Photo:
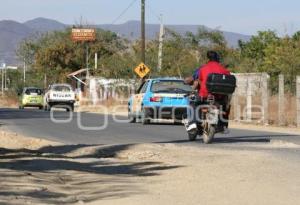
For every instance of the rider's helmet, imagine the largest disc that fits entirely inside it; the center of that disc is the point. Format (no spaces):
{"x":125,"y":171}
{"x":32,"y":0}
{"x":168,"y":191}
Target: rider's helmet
{"x":213,"y":56}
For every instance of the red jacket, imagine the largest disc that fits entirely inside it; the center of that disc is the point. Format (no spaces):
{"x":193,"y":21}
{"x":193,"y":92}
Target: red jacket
{"x":210,"y":67}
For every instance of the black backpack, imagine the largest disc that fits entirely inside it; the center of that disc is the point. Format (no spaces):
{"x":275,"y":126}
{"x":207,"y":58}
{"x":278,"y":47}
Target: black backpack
{"x":221,"y":84}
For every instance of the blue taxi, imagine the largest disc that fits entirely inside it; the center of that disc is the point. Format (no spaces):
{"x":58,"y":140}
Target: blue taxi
{"x":160,"y":98}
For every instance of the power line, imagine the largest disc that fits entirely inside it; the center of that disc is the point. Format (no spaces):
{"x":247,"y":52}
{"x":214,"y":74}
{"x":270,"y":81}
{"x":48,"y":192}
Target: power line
{"x":124,"y":11}
{"x":154,"y":13}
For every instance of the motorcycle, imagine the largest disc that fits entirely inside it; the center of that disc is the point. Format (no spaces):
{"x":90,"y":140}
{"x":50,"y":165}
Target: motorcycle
{"x":210,"y":113}
{"x":209,"y":119}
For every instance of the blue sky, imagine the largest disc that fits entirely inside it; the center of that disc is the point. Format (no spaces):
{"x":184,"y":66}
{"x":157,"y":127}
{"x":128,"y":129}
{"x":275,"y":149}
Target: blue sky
{"x":231,"y":15}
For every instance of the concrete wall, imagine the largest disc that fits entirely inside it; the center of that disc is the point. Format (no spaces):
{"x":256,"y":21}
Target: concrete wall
{"x":250,"y":85}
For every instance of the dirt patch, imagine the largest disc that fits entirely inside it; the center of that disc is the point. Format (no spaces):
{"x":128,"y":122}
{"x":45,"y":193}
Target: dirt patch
{"x":283,"y":144}
{"x":12,"y":140}
{"x":216,"y":176}
{"x":41,"y":172}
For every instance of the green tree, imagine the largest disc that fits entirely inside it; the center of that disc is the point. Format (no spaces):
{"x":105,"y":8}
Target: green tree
{"x":55,"y":54}
{"x":178,"y":58}
{"x":283,"y":58}
{"x":252,"y":53}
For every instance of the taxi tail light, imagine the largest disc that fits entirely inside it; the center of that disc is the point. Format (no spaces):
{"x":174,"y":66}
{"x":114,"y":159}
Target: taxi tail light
{"x":155,"y":99}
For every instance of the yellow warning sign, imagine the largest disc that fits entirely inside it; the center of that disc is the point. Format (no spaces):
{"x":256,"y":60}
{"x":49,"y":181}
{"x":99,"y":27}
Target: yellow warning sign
{"x":142,"y":70}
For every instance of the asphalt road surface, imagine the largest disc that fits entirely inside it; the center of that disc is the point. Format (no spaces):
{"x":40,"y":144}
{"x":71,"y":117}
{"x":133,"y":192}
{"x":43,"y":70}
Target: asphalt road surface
{"x":88,"y":128}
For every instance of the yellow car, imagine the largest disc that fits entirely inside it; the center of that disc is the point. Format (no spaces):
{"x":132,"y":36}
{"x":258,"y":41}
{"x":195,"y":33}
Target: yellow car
{"x":31,"y":97}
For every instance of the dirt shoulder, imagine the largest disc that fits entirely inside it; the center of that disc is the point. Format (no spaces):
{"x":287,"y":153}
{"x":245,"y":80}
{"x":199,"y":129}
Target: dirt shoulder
{"x":36,"y":171}
{"x":12,"y":140}
{"x":269,"y":128}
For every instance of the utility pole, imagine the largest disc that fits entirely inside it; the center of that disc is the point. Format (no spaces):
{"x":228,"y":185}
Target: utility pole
{"x":161,"y":39}
{"x":87,"y":61}
{"x":45,"y":80}
{"x":96,"y":61}
{"x":2,"y":80}
{"x":5,"y":78}
{"x":143,"y":33}
{"x":298,"y":100}
{"x":24,"y":74}
{"x":281,"y":100}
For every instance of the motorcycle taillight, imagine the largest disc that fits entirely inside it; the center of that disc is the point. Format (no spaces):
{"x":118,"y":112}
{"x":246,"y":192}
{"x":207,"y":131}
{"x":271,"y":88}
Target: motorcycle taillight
{"x":204,"y":110}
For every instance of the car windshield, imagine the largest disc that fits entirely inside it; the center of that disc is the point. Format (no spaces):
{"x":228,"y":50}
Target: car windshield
{"x":33,"y":91}
{"x":61,"y":88}
{"x":170,"y":86}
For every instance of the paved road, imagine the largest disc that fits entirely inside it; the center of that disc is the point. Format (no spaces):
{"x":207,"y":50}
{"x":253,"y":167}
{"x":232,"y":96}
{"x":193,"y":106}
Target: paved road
{"x":37,"y":123}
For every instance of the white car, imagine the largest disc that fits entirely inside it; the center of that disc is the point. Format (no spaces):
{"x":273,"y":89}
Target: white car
{"x":59,"y":95}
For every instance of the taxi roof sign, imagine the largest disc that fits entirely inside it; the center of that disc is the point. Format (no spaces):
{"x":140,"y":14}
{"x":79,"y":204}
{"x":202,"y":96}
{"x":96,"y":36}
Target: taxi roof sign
{"x":142,"y":70}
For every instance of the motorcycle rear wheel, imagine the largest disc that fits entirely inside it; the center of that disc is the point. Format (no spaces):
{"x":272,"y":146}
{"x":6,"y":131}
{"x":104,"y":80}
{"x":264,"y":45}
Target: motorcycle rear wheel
{"x":208,"y":135}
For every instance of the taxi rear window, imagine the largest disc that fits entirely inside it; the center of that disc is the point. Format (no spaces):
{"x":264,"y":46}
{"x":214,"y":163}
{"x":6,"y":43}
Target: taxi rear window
{"x":170,"y":86}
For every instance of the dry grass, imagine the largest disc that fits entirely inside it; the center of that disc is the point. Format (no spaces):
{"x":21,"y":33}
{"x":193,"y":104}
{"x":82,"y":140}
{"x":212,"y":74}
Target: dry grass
{"x":290,"y":114}
{"x":8,"y":100}
{"x":110,"y":106}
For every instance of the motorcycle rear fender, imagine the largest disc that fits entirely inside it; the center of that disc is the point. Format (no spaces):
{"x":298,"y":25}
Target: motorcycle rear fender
{"x":213,"y":116}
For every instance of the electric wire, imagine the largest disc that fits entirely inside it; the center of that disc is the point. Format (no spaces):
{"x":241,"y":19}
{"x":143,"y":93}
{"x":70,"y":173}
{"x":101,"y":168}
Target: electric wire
{"x":124,"y":11}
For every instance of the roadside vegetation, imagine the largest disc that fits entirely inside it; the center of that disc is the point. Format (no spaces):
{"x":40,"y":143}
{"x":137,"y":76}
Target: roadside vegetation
{"x":53,"y":55}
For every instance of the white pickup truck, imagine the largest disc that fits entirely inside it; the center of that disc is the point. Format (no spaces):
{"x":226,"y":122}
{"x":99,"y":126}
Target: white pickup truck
{"x":59,"y":95}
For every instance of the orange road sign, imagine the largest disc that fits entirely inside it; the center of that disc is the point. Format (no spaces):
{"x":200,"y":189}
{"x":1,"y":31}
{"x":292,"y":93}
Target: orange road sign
{"x":83,"y":34}
{"x":142,"y":70}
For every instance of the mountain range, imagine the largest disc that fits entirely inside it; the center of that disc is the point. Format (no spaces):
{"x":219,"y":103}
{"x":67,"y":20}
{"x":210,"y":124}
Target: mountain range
{"x":12,"y":33}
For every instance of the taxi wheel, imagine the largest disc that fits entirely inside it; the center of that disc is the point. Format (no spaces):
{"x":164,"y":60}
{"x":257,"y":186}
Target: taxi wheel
{"x":145,"y":120}
{"x":132,"y":119}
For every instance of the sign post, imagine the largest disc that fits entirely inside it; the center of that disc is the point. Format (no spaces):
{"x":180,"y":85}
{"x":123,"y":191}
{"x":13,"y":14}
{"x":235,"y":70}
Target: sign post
{"x":2,"y":77}
{"x":84,"y":35}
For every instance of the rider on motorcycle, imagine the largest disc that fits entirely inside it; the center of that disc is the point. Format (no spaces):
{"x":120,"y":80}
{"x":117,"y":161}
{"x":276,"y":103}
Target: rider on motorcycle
{"x":193,"y":80}
{"x":213,"y":66}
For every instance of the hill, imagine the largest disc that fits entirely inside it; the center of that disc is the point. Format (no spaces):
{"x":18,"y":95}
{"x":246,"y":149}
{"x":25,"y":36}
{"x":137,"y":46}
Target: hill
{"x":131,"y":30}
{"x":44,"y":25}
{"x":12,"y":33}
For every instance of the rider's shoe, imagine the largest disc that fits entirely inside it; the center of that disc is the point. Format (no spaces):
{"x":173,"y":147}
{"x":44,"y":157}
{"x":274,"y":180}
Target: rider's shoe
{"x":191,"y":127}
